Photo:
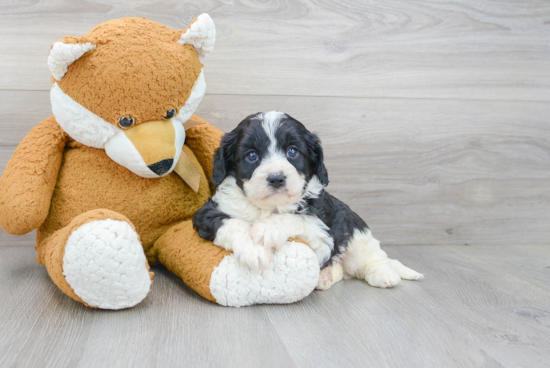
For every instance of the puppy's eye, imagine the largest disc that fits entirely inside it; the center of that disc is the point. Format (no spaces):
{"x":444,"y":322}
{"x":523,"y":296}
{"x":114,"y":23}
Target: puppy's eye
{"x":126,"y":122}
{"x":252,"y":156}
{"x":170,"y":114}
{"x":292,"y":152}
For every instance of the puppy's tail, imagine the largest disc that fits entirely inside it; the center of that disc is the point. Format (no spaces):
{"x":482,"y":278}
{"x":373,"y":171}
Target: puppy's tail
{"x":405,"y":272}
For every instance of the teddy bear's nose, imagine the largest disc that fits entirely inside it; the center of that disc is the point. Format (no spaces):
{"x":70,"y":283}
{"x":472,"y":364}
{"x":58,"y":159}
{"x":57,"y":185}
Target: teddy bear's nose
{"x":161,"y":167}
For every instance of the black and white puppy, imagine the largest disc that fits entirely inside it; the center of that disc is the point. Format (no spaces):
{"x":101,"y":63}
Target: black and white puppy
{"x":270,"y":186}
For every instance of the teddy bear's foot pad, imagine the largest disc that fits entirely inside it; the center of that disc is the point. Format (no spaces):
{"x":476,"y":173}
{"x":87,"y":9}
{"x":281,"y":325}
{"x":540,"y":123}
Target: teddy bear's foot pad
{"x":105,"y":265}
{"x":291,"y":276}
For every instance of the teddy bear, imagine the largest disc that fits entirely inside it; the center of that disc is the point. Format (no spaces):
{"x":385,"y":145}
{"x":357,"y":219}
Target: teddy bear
{"x":112,"y":179}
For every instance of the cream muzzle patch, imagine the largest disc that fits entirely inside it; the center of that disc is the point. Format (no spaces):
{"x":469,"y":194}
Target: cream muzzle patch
{"x":153,"y":158}
{"x":150,"y":150}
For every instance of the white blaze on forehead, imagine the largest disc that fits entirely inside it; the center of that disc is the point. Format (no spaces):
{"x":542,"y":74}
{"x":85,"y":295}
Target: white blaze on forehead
{"x":270,"y":122}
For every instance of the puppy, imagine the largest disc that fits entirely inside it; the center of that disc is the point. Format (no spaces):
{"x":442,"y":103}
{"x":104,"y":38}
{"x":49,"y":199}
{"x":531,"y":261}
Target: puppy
{"x":270,"y":186}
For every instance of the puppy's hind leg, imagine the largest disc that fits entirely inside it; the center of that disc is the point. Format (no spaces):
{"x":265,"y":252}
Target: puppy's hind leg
{"x":365,"y":260}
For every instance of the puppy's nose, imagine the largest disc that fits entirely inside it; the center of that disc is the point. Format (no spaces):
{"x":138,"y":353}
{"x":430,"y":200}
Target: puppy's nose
{"x":276,"y":180}
{"x":161,"y":167}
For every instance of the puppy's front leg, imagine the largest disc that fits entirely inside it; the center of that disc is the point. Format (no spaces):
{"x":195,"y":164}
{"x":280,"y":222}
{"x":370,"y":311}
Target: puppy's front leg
{"x":274,"y":232}
{"x":231,"y":234}
{"x":234,"y":235}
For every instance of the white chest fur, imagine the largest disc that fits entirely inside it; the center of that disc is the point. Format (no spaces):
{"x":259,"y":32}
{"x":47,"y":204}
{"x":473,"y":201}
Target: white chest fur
{"x":273,"y":227}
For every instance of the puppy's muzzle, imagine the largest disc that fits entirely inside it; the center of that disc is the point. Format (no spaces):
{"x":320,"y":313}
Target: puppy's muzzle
{"x":276,"y":181}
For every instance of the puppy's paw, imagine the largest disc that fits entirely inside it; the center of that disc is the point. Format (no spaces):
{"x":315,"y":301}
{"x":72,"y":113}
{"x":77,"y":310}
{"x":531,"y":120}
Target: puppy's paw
{"x":257,"y":232}
{"x":329,"y":276}
{"x":255,"y":257}
{"x":269,"y":234}
{"x":325,"y":279}
{"x":383,"y":277}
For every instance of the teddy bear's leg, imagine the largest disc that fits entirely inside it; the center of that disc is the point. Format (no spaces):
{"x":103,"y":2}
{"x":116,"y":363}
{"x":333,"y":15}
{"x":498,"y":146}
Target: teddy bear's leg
{"x":98,"y":260}
{"x":216,"y":274}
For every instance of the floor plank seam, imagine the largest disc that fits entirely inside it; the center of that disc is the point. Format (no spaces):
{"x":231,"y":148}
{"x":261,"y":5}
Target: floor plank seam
{"x":281,"y":340}
{"x":434,"y":98}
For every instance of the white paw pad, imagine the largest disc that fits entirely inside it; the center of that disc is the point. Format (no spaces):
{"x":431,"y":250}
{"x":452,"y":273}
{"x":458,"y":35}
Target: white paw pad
{"x":105,"y":265}
{"x":291,"y":276}
{"x":383,"y":277}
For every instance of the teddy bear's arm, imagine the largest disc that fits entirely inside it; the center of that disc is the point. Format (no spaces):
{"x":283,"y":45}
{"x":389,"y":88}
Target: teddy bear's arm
{"x":204,"y":139}
{"x":29,"y":179}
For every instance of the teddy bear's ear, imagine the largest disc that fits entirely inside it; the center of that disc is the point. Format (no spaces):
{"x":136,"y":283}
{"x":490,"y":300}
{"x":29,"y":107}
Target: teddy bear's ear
{"x":63,"y":53}
{"x":201,"y":34}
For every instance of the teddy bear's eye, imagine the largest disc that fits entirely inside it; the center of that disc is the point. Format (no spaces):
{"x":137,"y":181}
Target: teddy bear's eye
{"x":126,"y":122}
{"x":170,"y":114}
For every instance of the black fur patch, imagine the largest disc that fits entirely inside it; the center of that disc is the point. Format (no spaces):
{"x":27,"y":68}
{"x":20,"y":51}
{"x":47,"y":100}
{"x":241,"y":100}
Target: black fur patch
{"x":230,"y":157}
{"x":208,"y":220}
{"x":292,"y":133}
{"x":339,"y":218}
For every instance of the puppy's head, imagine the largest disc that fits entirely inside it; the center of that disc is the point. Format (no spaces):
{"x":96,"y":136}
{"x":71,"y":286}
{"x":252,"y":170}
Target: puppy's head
{"x":274,"y":159}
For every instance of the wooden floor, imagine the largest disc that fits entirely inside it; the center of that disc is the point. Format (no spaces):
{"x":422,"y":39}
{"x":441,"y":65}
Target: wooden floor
{"x":434,"y":116}
{"x":478,"y":306}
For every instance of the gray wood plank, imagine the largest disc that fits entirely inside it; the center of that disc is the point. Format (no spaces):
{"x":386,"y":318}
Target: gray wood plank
{"x":19,"y":112}
{"x":8,"y":240}
{"x":467,"y":312}
{"x":418,"y":171}
{"x":529,"y":262}
{"x":173,"y":326}
{"x":462,"y":315}
{"x":467,"y":49}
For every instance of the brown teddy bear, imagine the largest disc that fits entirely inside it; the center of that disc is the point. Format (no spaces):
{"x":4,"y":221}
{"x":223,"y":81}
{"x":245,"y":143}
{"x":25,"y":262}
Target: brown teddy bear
{"x":113,"y":178}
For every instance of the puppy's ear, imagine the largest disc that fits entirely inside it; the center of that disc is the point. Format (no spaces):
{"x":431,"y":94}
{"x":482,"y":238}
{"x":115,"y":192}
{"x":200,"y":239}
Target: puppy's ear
{"x":316,"y":157}
{"x":224,"y":157}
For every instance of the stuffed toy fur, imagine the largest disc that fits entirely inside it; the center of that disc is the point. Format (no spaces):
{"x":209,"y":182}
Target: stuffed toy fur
{"x":113,"y":178}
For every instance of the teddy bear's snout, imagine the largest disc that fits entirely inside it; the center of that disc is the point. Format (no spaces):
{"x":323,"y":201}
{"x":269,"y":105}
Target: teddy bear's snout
{"x":150,"y":149}
{"x":162,"y":167}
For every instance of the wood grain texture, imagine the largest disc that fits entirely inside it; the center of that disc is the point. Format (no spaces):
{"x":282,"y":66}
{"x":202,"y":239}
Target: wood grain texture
{"x":530,"y":264}
{"x":467,"y":312}
{"x":468,"y":49}
{"x":418,"y":171}
{"x":464,"y":314}
{"x":173,"y":327}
